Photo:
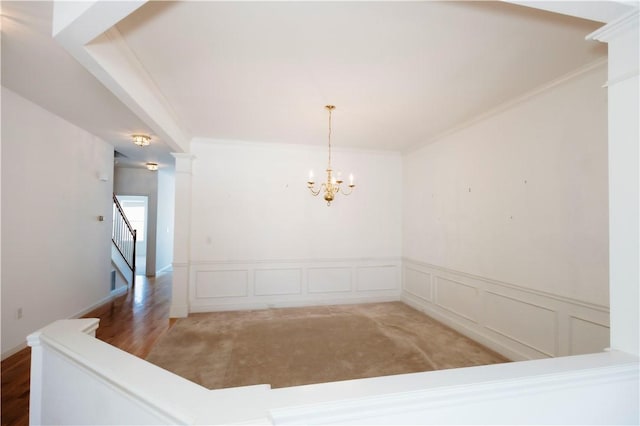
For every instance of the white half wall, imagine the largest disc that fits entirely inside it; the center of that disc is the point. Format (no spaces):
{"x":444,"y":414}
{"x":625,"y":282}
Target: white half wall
{"x":56,"y":255}
{"x":77,"y":379}
{"x":508,"y":218}
{"x":259,"y":238}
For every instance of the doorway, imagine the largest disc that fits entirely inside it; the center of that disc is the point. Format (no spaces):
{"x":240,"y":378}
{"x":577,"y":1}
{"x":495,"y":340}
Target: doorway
{"x":136,"y":208}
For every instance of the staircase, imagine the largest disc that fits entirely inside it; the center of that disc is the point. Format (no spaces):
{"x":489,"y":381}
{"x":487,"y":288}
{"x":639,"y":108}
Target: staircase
{"x":123,"y":236}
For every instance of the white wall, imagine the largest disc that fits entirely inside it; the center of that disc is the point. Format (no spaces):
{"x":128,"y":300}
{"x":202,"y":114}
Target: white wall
{"x":259,"y":238}
{"x":507,"y":219}
{"x":138,"y":181}
{"x":55,"y":252}
{"x":164,"y":237}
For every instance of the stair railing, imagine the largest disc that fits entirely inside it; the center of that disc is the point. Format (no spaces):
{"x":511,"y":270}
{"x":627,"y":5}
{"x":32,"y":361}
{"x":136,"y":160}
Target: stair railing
{"x":124,"y":237}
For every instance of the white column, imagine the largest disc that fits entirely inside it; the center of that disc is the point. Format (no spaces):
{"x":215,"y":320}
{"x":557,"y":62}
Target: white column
{"x":181,"y":237}
{"x":622,"y":36}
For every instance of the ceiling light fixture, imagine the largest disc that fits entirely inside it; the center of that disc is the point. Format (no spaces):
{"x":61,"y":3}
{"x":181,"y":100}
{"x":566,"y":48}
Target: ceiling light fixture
{"x":141,"y":140}
{"x":152,"y":166}
{"x":332,"y":186}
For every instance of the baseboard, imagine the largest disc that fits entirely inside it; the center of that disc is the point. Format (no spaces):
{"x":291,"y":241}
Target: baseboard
{"x":119,"y":291}
{"x":167,"y":268}
{"x":109,"y":298}
{"x":492,"y":344}
{"x":85,"y":311}
{"x":290,"y":304}
{"x":13,"y":351}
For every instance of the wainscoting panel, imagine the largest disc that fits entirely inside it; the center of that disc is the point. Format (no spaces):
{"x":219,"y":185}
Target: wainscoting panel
{"x":418,"y":284}
{"x":270,"y":282}
{"x":212,"y":284}
{"x":215,"y":286}
{"x":587,"y":336}
{"x":515,"y":321}
{"x":329,"y":280}
{"x":458,"y":298}
{"x":528,"y":324}
{"x":371,"y":278}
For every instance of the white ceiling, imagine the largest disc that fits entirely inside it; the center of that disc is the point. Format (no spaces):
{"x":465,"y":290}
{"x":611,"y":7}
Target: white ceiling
{"x":400,"y":73}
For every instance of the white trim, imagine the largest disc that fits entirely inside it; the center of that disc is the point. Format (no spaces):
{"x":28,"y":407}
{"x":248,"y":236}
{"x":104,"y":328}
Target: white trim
{"x":6,"y":354}
{"x":119,"y":291}
{"x":558,"y":297}
{"x":167,"y":268}
{"x":340,"y":260}
{"x":96,"y":305}
{"x":244,"y":306}
{"x":614,"y":28}
{"x":207,"y":294}
{"x":548,"y":334}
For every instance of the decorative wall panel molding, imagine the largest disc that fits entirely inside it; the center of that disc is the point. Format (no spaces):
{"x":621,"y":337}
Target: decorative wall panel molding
{"x":417,"y":284}
{"x":529,"y":324}
{"x":372,"y":278}
{"x":458,"y":298}
{"x":269,"y":282}
{"x":517,"y":322}
{"x":329,"y":279}
{"x":585,"y":335}
{"x":261,"y":284}
{"x":224,"y":283}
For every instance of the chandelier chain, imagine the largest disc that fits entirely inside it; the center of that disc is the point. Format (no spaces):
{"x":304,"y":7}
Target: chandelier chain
{"x":329,"y":108}
{"x":333,"y":185}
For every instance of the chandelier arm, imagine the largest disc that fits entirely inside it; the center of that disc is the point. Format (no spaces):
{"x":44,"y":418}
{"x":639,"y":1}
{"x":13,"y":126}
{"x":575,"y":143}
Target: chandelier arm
{"x":312,"y":188}
{"x":347,"y":192}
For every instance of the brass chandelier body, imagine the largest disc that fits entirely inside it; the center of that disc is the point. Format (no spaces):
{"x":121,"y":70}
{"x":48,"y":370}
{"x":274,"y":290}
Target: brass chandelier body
{"x":332,"y":186}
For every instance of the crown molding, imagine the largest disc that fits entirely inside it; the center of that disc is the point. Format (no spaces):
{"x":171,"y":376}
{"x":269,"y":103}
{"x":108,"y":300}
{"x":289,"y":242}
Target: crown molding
{"x":615,"y":28}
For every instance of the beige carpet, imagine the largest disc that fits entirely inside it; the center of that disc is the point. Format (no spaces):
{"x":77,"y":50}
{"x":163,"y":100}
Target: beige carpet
{"x":296,"y":346}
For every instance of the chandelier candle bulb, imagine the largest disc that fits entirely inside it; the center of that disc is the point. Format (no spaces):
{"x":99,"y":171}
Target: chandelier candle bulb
{"x":351,"y":180}
{"x":310,"y":176}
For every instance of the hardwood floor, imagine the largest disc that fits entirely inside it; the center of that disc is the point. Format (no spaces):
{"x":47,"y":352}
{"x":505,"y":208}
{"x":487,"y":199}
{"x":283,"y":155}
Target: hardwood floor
{"x":131,"y":322}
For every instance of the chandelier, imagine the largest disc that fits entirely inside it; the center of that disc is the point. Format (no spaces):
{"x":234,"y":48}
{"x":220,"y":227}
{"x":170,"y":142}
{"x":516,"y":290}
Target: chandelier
{"x":333,"y":184}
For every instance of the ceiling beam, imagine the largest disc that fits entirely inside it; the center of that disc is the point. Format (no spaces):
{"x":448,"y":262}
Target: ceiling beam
{"x":87,"y":31}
